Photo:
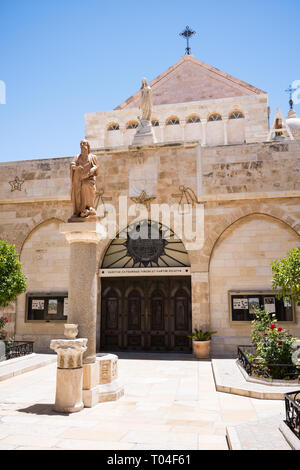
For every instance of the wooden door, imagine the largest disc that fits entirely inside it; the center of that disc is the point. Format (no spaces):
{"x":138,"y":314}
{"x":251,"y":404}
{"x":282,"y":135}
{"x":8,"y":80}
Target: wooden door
{"x":146,"y":314}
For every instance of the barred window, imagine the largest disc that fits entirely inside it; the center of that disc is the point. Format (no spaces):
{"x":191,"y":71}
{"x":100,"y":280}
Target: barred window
{"x":173,"y":120}
{"x":114,"y":126}
{"x":132,"y":125}
{"x":193,"y":119}
{"x":236,"y":115}
{"x":215,"y":117}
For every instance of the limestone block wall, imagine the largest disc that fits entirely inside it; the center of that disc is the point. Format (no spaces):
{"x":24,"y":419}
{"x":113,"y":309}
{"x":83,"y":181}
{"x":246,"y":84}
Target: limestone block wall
{"x":241,"y":261}
{"x":45,"y":261}
{"x":252,"y":128}
{"x":250,"y":168}
{"x":231,"y":181}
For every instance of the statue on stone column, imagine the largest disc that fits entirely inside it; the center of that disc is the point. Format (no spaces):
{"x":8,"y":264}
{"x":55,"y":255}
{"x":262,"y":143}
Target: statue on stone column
{"x":84,"y":170}
{"x":146,"y":101}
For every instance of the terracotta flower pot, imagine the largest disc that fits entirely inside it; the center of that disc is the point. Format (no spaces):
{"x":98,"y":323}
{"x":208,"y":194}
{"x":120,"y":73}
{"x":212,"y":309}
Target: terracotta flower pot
{"x":201,"y":349}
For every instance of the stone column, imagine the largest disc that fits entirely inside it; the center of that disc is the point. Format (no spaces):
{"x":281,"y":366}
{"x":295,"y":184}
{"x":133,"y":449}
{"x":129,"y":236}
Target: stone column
{"x":225,"y":121}
{"x":69,"y":379}
{"x":82,"y":306}
{"x":200,"y":300}
{"x":203,"y":123}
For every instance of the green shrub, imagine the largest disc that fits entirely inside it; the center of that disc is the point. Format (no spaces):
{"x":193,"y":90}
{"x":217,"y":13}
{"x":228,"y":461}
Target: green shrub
{"x":274,"y":345}
{"x":12,"y":280}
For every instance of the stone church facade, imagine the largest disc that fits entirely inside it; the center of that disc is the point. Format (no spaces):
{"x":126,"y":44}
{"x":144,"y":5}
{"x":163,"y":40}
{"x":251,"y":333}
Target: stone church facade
{"x":212,"y":151}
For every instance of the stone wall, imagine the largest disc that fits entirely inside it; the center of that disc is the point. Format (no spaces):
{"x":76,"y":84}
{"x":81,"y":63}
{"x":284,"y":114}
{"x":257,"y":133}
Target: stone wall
{"x":252,"y":128}
{"x":241,"y":261}
{"x":232,"y":182}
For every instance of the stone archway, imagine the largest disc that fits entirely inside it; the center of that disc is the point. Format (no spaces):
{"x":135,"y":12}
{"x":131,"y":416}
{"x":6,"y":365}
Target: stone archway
{"x":146,"y":291}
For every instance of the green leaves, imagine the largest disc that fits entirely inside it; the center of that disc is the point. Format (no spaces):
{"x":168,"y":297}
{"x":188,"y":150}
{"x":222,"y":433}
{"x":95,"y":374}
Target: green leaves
{"x":286,"y":275}
{"x":273,"y":344}
{"x":200,"y":335}
{"x":12,"y":280}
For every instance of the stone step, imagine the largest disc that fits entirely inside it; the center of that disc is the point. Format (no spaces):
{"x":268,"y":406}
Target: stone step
{"x":23,"y":364}
{"x":229,"y":379}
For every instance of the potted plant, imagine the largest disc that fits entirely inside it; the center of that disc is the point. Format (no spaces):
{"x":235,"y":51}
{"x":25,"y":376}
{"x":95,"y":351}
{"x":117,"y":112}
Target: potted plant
{"x":201,"y":343}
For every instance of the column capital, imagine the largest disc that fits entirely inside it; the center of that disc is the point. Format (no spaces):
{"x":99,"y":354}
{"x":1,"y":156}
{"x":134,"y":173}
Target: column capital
{"x":83,"y":232}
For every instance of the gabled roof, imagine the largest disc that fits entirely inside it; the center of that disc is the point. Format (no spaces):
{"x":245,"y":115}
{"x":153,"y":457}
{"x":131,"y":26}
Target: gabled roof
{"x":189,"y":79}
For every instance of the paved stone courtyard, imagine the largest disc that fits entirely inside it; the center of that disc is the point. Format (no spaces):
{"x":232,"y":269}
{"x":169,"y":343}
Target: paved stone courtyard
{"x":170,"y":403}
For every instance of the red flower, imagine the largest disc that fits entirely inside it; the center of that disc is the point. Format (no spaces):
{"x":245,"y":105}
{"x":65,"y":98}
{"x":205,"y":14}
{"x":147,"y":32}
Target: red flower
{"x":279,"y":329}
{"x":272,"y":326}
{"x":6,"y":320}
{"x":279,"y":343}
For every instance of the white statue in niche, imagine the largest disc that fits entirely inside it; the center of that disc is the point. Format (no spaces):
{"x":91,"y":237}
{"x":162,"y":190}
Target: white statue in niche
{"x":144,"y":133}
{"x":145,"y":101}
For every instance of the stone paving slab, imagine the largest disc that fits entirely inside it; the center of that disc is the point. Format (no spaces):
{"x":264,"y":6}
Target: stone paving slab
{"x":229,"y":379}
{"x":23,"y":364}
{"x":257,"y":435}
{"x":170,"y":403}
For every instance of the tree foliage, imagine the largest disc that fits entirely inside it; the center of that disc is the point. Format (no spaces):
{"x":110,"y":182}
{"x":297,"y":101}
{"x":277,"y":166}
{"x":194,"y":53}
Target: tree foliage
{"x":12,"y":280}
{"x":286,"y":275}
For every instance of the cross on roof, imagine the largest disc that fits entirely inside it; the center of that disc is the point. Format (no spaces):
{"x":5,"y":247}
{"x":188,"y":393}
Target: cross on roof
{"x":291,"y":90}
{"x":187,"y":33}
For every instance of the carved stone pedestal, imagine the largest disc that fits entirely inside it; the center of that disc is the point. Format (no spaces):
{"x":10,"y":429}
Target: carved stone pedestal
{"x":144,"y":134}
{"x":100,"y":381}
{"x":69,"y":379}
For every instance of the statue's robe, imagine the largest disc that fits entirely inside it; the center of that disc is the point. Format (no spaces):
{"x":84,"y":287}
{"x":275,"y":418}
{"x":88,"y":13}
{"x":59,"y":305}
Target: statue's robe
{"x":83,"y":190}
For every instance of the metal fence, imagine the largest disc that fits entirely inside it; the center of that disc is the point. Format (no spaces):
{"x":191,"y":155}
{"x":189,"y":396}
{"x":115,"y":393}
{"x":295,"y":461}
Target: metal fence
{"x":18,"y":348}
{"x":255,"y":368}
{"x":292,"y":409}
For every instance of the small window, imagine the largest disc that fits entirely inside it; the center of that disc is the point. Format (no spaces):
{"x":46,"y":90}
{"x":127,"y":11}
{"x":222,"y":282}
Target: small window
{"x":132,"y":125}
{"x":114,"y":126}
{"x":215,"y":117}
{"x":236,"y":115}
{"x":243,"y":305}
{"x":46,"y":306}
{"x":155,"y":122}
{"x":171,"y":121}
{"x":193,"y":119}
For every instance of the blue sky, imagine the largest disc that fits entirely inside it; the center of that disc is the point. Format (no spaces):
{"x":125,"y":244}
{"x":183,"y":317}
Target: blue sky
{"x":61,"y":59}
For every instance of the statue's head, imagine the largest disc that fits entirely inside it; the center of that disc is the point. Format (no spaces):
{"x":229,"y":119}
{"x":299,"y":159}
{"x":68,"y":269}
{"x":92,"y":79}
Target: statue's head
{"x":144,"y":82}
{"x":84,"y":144}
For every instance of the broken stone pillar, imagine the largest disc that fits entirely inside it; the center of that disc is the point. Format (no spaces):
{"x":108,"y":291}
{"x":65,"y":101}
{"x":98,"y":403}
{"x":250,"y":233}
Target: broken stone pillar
{"x":69,"y":378}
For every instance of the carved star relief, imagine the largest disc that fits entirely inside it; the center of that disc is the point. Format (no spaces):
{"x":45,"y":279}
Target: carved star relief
{"x":143,"y":199}
{"x":16,"y":184}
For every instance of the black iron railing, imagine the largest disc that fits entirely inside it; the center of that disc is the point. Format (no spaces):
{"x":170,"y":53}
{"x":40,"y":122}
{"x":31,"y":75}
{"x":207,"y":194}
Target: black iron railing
{"x":18,"y":348}
{"x":292,"y":409}
{"x":254,"y":367}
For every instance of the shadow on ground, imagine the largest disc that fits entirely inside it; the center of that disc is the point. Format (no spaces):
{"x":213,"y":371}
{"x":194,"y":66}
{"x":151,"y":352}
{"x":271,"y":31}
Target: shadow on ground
{"x":41,"y":409}
{"x":151,"y":355}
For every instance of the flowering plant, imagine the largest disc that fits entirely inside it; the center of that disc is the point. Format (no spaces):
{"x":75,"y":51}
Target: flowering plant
{"x":3,"y":321}
{"x":274,"y":345}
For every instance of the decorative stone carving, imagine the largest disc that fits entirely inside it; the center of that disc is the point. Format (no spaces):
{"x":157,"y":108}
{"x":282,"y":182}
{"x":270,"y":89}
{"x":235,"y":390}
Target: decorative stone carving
{"x":71,"y":330}
{"x":100,"y":380}
{"x":187,"y":196}
{"x":16,"y":184}
{"x":69,"y":378}
{"x":100,"y":199}
{"x":144,"y":134}
{"x":84,"y":170}
{"x":143,"y":199}
{"x":69,"y":351}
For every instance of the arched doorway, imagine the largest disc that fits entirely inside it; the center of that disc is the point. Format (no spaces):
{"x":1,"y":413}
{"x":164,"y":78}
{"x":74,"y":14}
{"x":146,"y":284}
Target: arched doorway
{"x":146,"y":291}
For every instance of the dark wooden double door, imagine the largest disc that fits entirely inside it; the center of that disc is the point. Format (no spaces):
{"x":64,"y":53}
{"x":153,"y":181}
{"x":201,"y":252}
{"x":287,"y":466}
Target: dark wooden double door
{"x":146,"y":314}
